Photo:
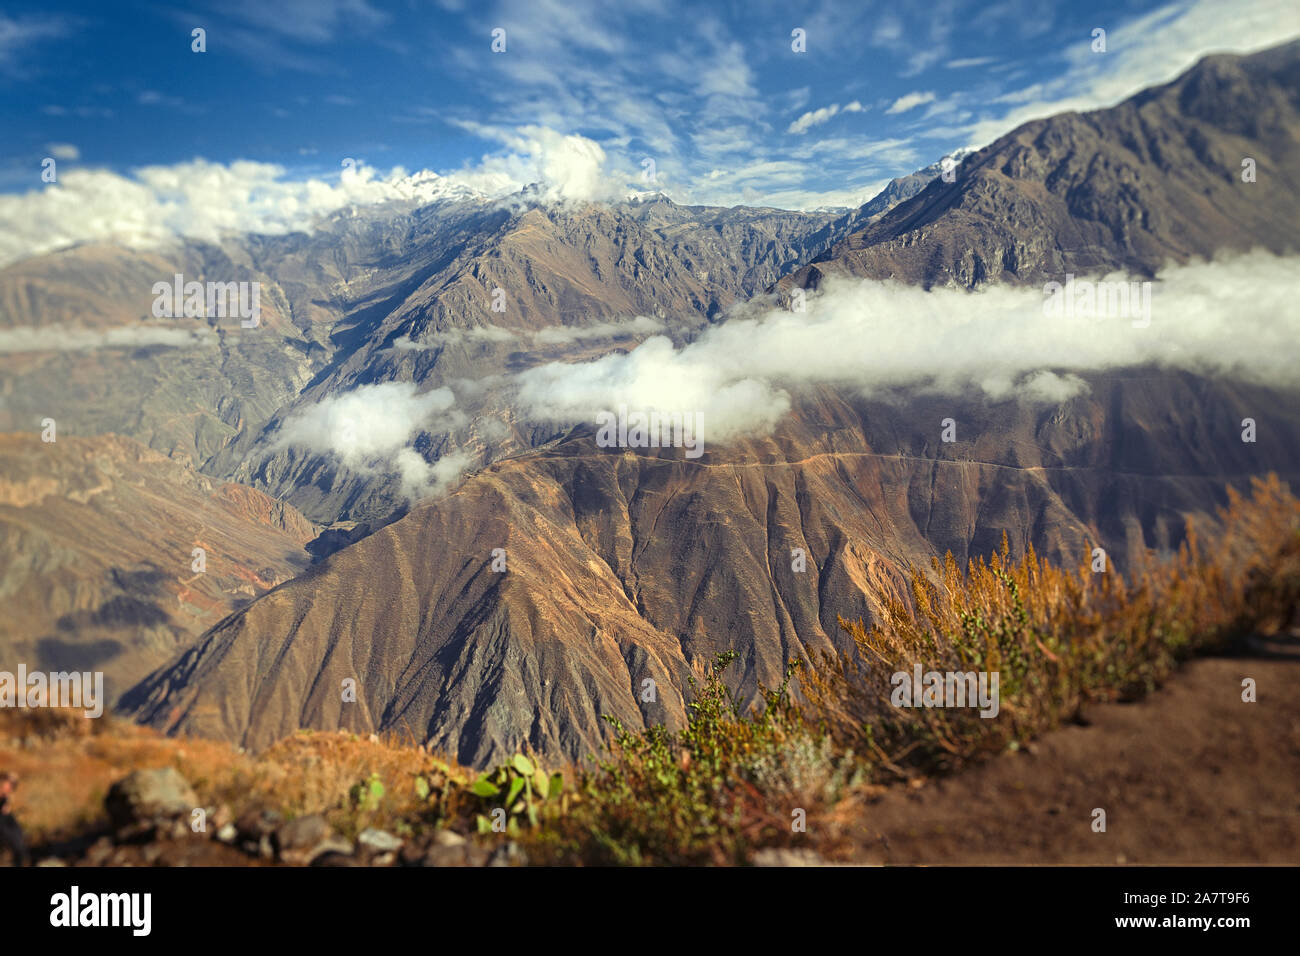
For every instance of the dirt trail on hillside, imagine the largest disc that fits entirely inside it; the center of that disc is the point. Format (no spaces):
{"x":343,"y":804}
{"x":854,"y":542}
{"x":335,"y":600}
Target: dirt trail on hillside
{"x":1189,"y":775}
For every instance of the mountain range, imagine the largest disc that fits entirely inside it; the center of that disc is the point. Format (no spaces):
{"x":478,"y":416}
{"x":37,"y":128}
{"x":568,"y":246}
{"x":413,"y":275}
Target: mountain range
{"x":539,"y":580}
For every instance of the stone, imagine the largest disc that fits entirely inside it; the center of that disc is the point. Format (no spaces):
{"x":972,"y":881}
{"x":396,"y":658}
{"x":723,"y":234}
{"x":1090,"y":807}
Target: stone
{"x":293,"y":842}
{"x":786,"y":856}
{"x":147,"y":796}
{"x":303,"y":839}
{"x":256,"y":827}
{"x":510,"y":854}
{"x":446,"y":856}
{"x":379,"y":841}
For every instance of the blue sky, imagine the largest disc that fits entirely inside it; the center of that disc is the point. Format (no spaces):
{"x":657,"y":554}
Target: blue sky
{"x":713,"y":93}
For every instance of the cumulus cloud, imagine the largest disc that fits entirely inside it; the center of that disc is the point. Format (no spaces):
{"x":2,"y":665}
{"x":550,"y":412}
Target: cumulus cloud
{"x":57,"y":339}
{"x":197,"y":200}
{"x":568,"y":168}
{"x":369,"y":429}
{"x":209,"y":201}
{"x":909,"y":101}
{"x":1235,"y":317}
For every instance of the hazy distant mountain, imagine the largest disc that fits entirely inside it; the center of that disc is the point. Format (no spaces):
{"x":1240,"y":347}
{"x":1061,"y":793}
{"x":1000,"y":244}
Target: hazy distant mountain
{"x":335,"y":304}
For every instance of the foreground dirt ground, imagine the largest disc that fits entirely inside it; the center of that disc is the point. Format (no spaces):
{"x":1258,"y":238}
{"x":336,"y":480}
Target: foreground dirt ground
{"x":1189,"y":775}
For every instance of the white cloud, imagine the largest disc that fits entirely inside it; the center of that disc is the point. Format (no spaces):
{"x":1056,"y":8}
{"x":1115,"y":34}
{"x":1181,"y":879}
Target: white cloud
{"x":816,"y":117}
{"x":812,"y":118}
{"x":909,"y":101}
{"x":569,"y":168}
{"x":369,"y":428}
{"x":1234,"y":317}
{"x":272,"y":34}
{"x":16,"y":34}
{"x":888,"y":31}
{"x":564,"y":334}
{"x":371,"y":421}
{"x":63,"y":151}
{"x":208,"y":201}
{"x":655,"y":376}
{"x":421,"y":479}
{"x":198,"y":200}
{"x":57,"y":339}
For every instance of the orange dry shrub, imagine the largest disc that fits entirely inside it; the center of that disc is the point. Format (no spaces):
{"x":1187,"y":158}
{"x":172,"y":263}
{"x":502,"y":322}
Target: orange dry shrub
{"x":67,"y":763}
{"x":1056,"y":638}
{"x":321,"y":771}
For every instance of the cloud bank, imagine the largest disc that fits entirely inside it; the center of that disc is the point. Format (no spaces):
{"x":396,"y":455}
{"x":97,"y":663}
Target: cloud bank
{"x":196,"y":200}
{"x":208,"y":201}
{"x":57,"y":339}
{"x":1235,"y":317}
{"x":636,"y":327}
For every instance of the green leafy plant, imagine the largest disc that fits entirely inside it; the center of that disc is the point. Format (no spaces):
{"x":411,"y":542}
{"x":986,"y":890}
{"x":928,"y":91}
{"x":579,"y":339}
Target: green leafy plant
{"x":365,"y":795}
{"x":519,"y":787}
{"x":706,"y":793}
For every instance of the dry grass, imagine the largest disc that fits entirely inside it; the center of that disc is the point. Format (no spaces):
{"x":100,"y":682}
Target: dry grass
{"x":1057,"y":638}
{"x":67,"y":764}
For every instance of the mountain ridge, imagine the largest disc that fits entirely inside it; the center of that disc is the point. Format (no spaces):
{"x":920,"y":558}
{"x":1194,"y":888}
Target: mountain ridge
{"x":1131,"y":187}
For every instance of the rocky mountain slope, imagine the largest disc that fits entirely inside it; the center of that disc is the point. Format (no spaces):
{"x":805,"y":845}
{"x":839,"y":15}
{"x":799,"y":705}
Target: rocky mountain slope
{"x":897,"y":191}
{"x":394,"y":293}
{"x":1158,"y":178}
{"x":98,"y":568}
{"x":574,"y":281}
{"x":622,"y":567}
